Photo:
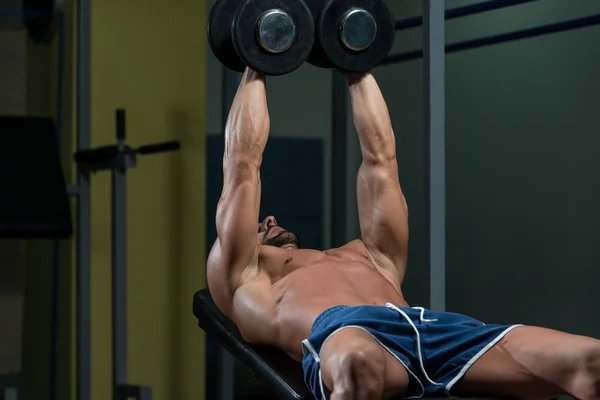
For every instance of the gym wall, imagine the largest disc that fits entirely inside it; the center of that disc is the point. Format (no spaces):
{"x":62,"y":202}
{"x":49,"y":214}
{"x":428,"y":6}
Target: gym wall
{"x":150,"y":60}
{"x":522,"y":190}
{"x":144,"y":60}
{"x":39,"y":379}
{"x":13,"y":85}
{"x":13,"y":101}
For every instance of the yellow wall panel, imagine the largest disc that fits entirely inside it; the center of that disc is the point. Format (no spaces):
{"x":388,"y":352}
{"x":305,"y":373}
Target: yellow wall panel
{"x":149,"y":58}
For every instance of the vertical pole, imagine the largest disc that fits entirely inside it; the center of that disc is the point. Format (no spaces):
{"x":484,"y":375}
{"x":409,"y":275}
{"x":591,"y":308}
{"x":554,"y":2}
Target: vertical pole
{"x":434,"y":74}
{"x":119,"y":261}
{"x":225,"y":361}
{"x":56,"y":243}
{"x":339,"y":148}
{"x":83,"y":258}
{"x":9,"y":394}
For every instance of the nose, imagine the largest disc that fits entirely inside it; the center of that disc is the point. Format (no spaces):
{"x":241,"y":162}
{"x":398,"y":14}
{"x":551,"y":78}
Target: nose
{"x":267,"y":223}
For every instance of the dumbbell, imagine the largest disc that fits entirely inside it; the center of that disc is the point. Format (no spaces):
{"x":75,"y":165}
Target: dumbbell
{"x":270,"y":36}
{"x":352,"y":35}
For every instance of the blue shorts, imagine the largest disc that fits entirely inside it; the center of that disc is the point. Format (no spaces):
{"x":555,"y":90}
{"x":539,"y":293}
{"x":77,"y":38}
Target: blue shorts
{"x":436,"y":348}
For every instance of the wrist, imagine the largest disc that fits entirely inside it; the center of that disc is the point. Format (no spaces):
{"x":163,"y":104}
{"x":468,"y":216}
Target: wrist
{"x":254,"y":75}
{"x":355,"y":77}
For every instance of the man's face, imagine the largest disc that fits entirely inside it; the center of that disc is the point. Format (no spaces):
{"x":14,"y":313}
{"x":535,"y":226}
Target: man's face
{"x":271,"y":234}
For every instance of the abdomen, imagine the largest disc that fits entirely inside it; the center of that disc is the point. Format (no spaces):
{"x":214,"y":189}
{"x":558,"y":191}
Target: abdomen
{"x":310,"y":290}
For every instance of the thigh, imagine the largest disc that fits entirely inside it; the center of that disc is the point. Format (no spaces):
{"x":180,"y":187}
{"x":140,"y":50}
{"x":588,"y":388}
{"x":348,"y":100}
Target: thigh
{"x":528,"y":363}
{"x":349,"y":340}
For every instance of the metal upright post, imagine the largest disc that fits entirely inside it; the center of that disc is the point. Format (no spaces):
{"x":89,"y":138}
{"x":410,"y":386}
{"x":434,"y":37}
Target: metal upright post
{"x":118,"y":159}
{"x":60,"y":21}
{"x":225,"y":361}
{"x":83,"y":257}
{"x":9,"y":394}
{"x":435,"y":154}
{"x":119,"y":260}
{"x":339,"y":141}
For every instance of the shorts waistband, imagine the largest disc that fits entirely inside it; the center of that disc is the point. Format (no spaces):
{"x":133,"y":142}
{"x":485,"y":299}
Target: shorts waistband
{"x":326,"y":314}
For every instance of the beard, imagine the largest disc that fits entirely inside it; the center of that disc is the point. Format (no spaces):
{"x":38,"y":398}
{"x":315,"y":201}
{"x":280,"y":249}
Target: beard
{"x":282,"y":239}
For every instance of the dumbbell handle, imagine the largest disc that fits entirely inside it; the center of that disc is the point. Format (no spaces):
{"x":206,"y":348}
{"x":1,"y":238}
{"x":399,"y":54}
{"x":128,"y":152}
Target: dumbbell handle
{"x":159,"y":147}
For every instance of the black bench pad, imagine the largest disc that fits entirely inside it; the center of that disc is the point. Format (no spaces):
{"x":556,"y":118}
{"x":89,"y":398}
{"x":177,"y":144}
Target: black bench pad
{"x":281,"y":373}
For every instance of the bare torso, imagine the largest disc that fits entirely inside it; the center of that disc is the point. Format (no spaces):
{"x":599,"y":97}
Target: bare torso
{"x":304,"y":283}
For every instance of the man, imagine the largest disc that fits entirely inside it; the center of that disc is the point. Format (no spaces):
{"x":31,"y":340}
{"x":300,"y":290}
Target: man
{"x":341,"y":311}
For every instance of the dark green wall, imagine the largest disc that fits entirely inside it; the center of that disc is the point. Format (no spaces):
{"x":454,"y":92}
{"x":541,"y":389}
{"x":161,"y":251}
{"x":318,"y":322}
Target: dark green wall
{"x":522,"y":134}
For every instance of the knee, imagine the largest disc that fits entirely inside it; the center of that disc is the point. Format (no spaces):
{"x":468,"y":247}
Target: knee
{"x":360,"y":371}
{"x":588,"y":376}
{"x":360,"y":361}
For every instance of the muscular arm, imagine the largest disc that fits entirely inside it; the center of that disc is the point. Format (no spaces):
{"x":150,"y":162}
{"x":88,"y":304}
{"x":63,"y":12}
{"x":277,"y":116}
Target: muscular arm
{"x":234,"y":256}
{"x":382,"y":209}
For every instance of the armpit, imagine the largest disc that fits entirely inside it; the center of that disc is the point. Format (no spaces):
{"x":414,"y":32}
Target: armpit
{"x":384,"y":265}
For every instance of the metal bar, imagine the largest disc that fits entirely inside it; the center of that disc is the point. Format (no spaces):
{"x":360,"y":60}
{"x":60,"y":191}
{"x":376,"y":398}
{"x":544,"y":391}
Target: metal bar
{"x":72,"y":190}
{"x":339,"y":117}
{"x":464,"y":11}
{"x":225,"y":361}
{"x":54,"y":318}
{"x":9,"y":394}
{"x":21,"y":13}
{"x":501,"y":38}
{"x":83,"y":286}
{"x":119,"y":261}
{"x":60,"y":62}
{"x":434,"y":74}
{"x":56,"y":244}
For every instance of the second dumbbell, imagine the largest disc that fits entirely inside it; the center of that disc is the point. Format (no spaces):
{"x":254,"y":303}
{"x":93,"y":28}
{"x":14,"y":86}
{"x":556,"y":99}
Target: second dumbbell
{"x":352,"y":35}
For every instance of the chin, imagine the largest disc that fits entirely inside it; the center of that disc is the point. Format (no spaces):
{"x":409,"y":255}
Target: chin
{"x":283,"y":239}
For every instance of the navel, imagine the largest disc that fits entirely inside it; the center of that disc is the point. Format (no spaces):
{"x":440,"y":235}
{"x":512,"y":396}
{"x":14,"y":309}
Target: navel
{"x":289,"y":260}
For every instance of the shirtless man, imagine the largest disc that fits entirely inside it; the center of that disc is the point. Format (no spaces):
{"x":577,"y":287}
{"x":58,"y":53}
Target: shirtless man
{"x":341,"y":312}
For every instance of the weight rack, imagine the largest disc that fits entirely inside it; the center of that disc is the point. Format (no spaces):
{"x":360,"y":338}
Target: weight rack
{"x":117,"y":159}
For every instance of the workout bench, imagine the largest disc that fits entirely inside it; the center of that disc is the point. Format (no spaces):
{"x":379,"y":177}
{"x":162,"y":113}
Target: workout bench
{"x":273,"y":366}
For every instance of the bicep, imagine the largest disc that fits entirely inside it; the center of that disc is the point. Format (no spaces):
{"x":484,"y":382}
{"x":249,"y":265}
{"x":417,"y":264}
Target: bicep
{"x":237,"y":221}
{"x":383,"y":213}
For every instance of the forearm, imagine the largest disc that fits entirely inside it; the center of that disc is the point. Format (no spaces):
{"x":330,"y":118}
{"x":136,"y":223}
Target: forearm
{"x":246,"y":134}
{"x":371,"y":119}
{"x":247,"y":127}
